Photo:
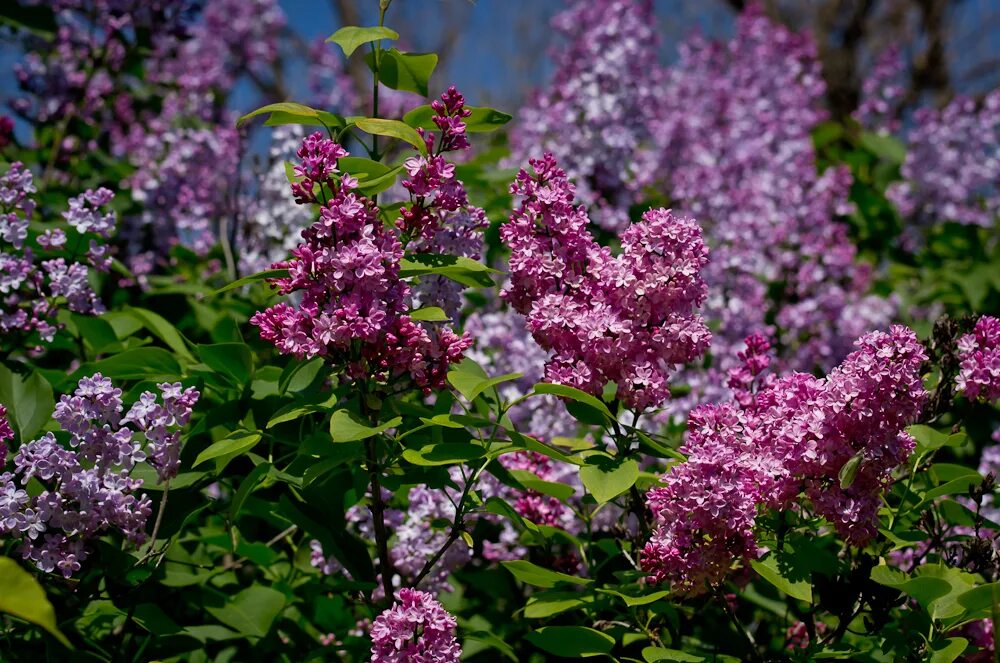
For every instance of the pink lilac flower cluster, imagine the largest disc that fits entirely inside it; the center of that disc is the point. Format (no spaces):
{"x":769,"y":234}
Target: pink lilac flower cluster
{"x":628,"y":319}
{"x":36,"y":282}
{"x":416,"y":629}
{"x":594,"y":115}
{"x":882,"y":92}
{"x":353,"y":303}
{"x":794,"y":437}
{"x":87,"y":488}
{"x":439,"y":218}
{"x":952,"y":167}
{"x":734,"y":124}
{"x":797,"y":635}
{"x":979,"y":361}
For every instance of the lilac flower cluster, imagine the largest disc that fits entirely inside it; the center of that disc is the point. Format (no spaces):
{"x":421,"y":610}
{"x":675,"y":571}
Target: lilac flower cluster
{"x":952,"y":166}
{"x":6,"y":433}
{"x":416,"y":629}
{"x":979,"y":361}
{"x":274,"y":224}
{"x":794,"y":437}
{"x":504,"y":345}
{"x":353,"y":303}
{"x":627,"y":319}
{"x":882,"y":92}
{"x":594,"y":116}
{"x":87,"y":488}
{"x":177,"y":149}
{"x":35,"y":284}
{"x":734,"y":128}
{"x":439,"y":217}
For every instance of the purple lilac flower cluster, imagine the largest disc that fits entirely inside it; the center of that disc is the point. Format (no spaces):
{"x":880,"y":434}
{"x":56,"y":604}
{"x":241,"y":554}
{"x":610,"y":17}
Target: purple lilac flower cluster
{"x":416,"y":629}
{"x":353,"y":303}
{"x":78,"y":72}
{"x":439,"y":217}
{"x":794,"y":437}
{"x":882,"y":92}
{"x":87,"y":488}
{"x":979,"y":361}
{"x":952,"y":167}
{"x":177,"y":148}
{"x":734,"y":128}
{"x":628,"y":319}
{"x":594,"y":116}
{"x":36,"y":283}
{"x":6,"y":434}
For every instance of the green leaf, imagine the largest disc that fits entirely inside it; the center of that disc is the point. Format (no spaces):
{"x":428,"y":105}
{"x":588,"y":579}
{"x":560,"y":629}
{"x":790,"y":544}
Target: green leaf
{"x":849,"y":471}
{"x":769,"y":570}
{"x":606,"y":479}
{"x":429,"y":314}
{"x":38,"y":19}
{"x":886,"y":147}
{"x":930,"y":439}
{"x":462,"y":270}
{"x":289,"y":112}
{"x":493,"y":641}
{"x":410,"y":72}
{"x":471,"y":385}
{"x":235,"y":444}
{"x":345,"y":427}
{"x":481,"y":120}
{"x":448,"y":453}
{"x":657,"y":654}
{"x":947,"y":650}
{"x":547,"y":604}
{"x":350,"y":37}
{"x":163,"y":330}
{"x":980,"y":599}
{"x":298,"y":375}
{"x":298,"y":409}
{"x":145,"y":363}
{"x":233,"y":360}
{"x":247,"y":487}
{"x":633,"y":601}
{"x":574,"y":394}
{"x":253,"y":278}
{"x":530,"y":480}
{"x":392,"y":129}
{"x":532,"y":574}
{"x":252,"y":611}
{"x":924,"y":589}
{"x":22,"y":597}
{"x":98,"y":333}
{"x":29,"y":401}
{"x":571,"y":641}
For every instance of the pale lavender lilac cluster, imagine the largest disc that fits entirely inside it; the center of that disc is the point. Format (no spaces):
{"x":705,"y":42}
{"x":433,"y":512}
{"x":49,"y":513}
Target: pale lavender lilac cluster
{"x":35,"y":283}
{"x":793,"y":437}
{"x":353,"y":307}
{"x":416,"y":629}
{"x":952,"y":167}
{"x":439,"y":218}
{"x":734,"y":128}
{"x":504,"y":345}
{"x":274,"y":223}
{"x":628,"y":319}
{"x":594,"y":115}
{"x":86,"y":487}
{"x":979,"y":361}
{"x":177,"y":148}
